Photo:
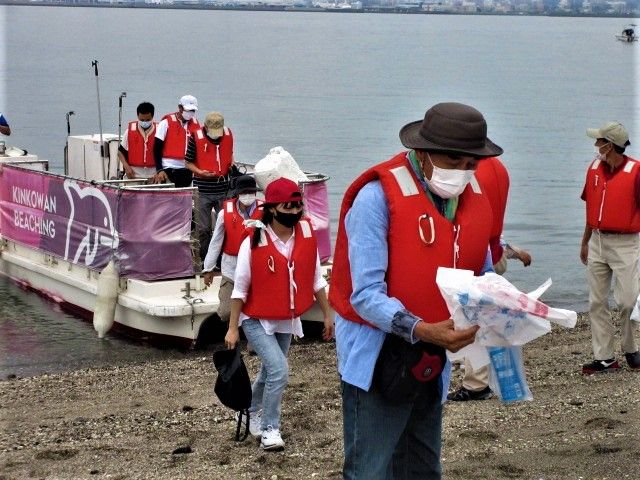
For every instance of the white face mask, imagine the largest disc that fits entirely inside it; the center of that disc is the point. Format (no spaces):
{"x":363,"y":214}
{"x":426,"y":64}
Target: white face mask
{"x":448,"y":183}
{"x":187,"y":115}
{"x":144,"y":124}
{"x":247,"y":199}
{"x":602,"y":156}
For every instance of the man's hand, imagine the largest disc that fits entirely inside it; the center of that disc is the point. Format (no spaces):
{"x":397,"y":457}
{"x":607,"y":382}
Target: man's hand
{"x":129,"y":171}
{"x":584,"y":253}
{"x":208,"y":278}
{"x":232,"y":337}
{"x":444,"y":335}
{"x":160,"y":177}
{"x":523,"y":256}
{"x":206,"y":174}
{"x":329,"y":329}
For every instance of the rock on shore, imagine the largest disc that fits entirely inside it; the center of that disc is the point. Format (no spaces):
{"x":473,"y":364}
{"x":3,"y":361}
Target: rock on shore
{"x":160,"y":420}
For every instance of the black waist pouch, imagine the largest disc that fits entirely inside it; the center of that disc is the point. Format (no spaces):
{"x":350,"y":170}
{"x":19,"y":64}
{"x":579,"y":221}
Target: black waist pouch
{"x":405,"y":371}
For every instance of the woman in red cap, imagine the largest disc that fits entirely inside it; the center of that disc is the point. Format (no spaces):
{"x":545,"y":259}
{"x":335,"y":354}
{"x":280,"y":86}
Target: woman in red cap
{"x":277,"y":277}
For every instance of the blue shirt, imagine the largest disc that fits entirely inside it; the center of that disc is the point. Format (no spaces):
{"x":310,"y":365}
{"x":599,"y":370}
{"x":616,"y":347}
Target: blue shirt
{"x":358,"y":346}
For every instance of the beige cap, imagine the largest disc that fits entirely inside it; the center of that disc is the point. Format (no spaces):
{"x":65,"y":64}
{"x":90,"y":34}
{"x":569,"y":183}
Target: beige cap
{"x":613,"y":132}
{"x":214,"y":121}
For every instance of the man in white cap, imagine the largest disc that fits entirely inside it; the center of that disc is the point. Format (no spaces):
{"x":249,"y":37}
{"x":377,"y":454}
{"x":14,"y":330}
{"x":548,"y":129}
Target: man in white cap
{"x":210,"y":158}
{"x":611,"y":245}
{"x":172,"y":135}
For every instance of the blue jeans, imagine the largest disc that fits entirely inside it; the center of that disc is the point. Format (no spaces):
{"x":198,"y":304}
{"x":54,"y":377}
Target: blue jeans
{"x":384,"y":440}
{"x":274,"y":373}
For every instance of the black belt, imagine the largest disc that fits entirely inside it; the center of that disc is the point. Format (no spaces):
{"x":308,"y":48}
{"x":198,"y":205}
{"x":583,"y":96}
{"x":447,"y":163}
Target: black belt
{"x":614,"y":232}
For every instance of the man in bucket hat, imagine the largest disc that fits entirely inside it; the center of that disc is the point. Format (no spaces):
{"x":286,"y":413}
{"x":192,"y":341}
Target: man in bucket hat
{"x":400,"y":221}
{"x":611,"y":245}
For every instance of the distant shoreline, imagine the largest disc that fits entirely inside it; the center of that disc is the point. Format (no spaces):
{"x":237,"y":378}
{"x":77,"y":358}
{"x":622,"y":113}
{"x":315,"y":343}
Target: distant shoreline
{"x":287,"y":8}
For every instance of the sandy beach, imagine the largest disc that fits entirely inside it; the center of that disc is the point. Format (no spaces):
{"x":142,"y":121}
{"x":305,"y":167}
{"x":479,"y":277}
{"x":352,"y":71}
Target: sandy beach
{"x":160,"y":420}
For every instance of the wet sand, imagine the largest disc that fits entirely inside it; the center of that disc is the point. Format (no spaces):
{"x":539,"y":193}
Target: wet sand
{"x":133,"y":422}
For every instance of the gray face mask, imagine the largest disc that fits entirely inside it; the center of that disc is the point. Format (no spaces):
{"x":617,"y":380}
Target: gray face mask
{"x":188,"y":115}
{"x":144,"y":124}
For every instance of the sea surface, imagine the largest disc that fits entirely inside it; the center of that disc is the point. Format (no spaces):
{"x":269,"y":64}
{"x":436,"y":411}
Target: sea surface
{"x":334,"y":90}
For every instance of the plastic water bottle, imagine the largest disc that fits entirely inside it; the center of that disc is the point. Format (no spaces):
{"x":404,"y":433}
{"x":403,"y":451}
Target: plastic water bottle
{"x":509,"y":376}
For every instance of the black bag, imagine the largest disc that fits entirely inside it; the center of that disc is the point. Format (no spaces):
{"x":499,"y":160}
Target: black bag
{"x":233,"y":386}
{"x":405,"y":371}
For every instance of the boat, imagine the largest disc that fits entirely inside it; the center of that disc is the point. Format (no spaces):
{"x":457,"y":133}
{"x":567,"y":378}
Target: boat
{"x":628,"y":34}
{"x":71,"y":237}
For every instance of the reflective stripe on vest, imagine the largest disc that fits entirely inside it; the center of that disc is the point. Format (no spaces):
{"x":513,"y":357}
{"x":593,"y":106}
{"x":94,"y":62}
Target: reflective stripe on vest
{"x":414,"y":257}
{"x":175,"y":142}
{"x":282,"y":288}
{"x":611,"y":202}
{"x":140,"y":148}
{"x":234,"y":229}
{"x":214,"y":157}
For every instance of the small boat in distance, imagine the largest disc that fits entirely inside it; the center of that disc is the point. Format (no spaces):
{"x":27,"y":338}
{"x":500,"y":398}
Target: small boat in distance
{"x":628,"y":34}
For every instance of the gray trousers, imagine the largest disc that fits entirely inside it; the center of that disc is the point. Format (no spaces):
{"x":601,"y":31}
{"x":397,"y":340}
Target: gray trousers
{"x":209,"y":206}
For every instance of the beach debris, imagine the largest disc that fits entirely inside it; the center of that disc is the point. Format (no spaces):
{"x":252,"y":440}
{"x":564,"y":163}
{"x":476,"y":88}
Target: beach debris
{"x":182,"y":450}
{"x":508,"y":319}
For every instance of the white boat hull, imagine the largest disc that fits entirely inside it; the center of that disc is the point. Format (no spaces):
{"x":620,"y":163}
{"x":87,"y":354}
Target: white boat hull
{"x":159,"y":309}
{"x":145,"y":308}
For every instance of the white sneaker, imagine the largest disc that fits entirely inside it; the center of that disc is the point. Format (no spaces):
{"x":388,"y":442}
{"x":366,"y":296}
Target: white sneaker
{"x":271,"y":439}
{"x":255,"y":421}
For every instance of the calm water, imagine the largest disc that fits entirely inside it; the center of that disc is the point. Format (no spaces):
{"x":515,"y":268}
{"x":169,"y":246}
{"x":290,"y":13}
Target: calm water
{"x":334,"y":90}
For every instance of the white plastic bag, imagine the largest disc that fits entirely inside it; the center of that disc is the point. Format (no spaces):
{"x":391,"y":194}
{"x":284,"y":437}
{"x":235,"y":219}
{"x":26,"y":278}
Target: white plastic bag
{"x":506,"y":316}
{"x":278,"y":163}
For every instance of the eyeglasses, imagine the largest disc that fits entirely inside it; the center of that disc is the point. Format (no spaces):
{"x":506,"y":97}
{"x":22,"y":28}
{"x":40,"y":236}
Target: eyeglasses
{"x":290,"y":205}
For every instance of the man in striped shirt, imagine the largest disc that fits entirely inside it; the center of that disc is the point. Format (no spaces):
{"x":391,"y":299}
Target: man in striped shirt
{"x":210,"y":158}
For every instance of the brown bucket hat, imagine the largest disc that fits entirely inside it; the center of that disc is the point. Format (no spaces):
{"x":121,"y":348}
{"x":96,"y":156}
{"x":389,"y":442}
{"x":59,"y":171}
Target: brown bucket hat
{"x":453,"y":128}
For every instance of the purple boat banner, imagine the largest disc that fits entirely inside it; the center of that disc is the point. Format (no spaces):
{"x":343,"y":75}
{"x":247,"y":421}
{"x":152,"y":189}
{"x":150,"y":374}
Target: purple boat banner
{"x":146,"y":232}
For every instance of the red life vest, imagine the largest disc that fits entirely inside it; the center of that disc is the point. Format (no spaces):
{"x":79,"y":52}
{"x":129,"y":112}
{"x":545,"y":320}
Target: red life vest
{"x":611,"y":202}
{"x":175,"y":143}
{"x":275,"y":293}
{"x":420,"y":240}
{"x":140,"y":151}
{"x":214,"y":158}
{"x":234,"y":230}
{"x":494,"y":181}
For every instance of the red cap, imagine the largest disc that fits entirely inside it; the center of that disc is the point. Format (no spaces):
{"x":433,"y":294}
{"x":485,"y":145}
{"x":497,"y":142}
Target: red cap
{"x":282,"y":190}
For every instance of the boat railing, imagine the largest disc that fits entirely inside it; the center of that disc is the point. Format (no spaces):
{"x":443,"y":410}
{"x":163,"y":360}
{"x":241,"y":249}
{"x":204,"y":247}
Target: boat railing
{"x":312,"y":177}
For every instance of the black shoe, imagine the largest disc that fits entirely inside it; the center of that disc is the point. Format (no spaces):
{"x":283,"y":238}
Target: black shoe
{"x":600,"y":366}
{"x":462,"y":395}
{"x":633,"y":360}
